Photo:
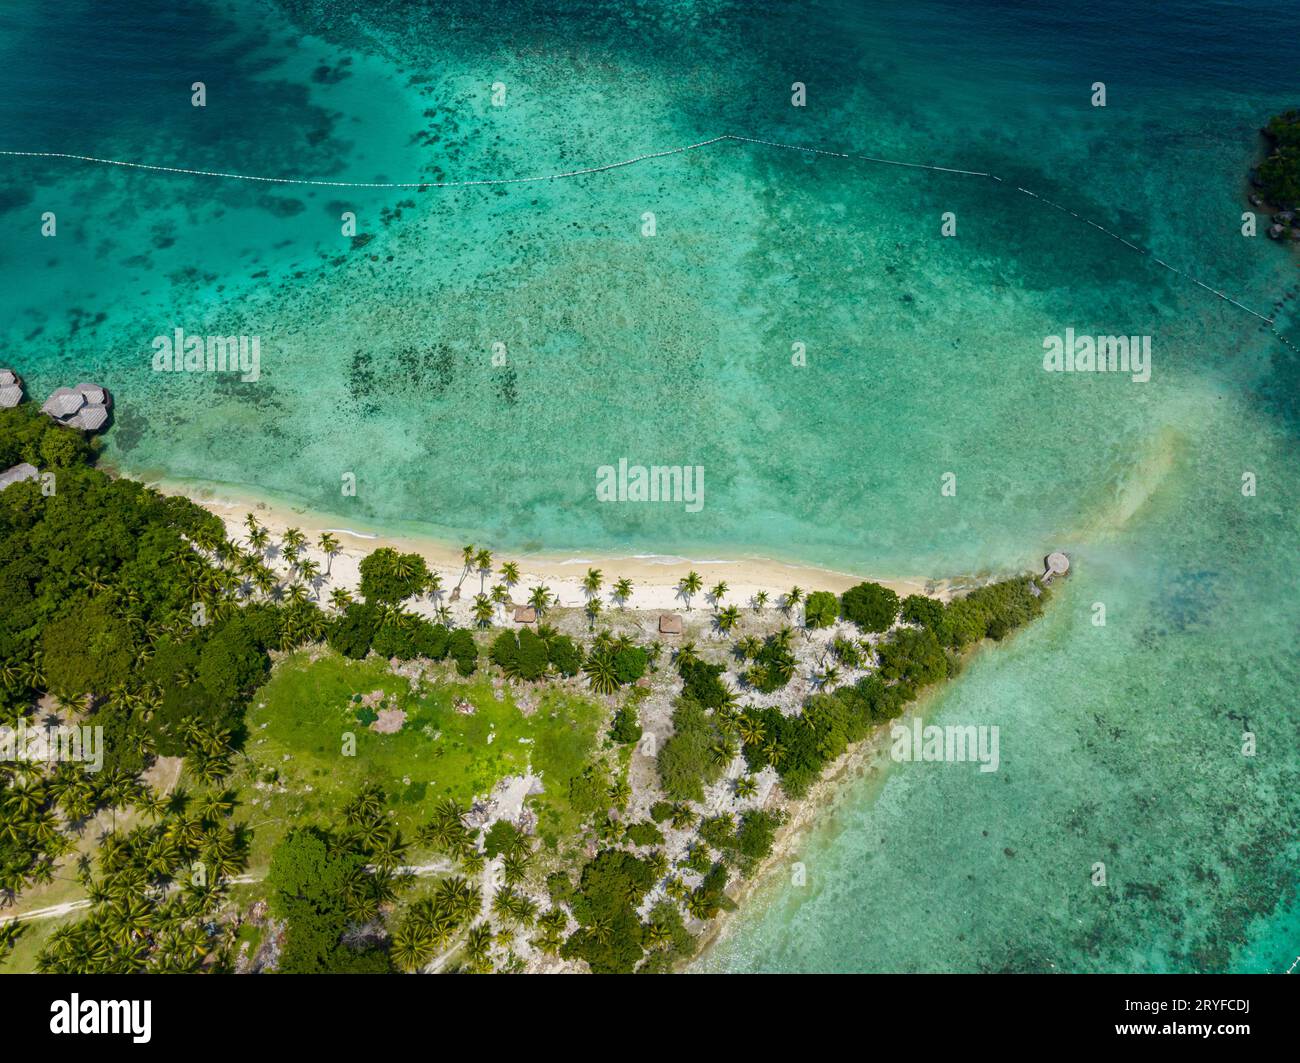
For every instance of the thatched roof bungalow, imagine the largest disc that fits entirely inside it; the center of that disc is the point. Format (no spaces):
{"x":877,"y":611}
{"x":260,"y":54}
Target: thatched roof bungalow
{"x":17,"y":474}
{"x":95,"y":395}
{"x":90,"y":418}
{"x":670,"y":623}
{"x":525,"y":614}
{"x":86,"y":406}
{"x":11,"y":389}
{"x":63,"y":403}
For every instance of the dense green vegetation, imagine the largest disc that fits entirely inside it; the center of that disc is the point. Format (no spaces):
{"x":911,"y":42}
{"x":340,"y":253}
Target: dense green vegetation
{"x":1279,"y":173}
{"x":800,"y":746}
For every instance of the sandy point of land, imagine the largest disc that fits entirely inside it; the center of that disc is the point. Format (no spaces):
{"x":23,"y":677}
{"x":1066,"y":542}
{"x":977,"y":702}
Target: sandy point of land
{"x":654,"y":578}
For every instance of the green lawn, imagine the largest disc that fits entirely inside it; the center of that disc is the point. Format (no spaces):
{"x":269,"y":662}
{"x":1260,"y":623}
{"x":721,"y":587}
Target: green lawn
{"x":307,"y":711}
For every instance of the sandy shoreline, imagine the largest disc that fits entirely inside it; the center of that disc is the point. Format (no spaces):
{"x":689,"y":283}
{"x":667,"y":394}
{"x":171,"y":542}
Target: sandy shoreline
{"x":805,"y":814}
{"x":654,"y":577}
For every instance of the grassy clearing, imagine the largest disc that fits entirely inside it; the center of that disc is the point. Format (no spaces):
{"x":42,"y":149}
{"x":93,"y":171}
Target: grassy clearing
{"x":36,"y":933}
{"x":298,"y":770}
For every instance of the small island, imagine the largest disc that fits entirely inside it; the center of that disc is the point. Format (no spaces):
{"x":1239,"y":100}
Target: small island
{"x":310,"y":759}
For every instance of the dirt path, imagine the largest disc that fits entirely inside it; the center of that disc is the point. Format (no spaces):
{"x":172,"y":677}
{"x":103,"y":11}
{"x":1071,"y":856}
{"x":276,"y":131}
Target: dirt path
{"x":54,"y":911}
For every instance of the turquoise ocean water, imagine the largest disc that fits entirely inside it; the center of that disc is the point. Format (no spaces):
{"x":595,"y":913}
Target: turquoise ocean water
{"x":1120,"y":744}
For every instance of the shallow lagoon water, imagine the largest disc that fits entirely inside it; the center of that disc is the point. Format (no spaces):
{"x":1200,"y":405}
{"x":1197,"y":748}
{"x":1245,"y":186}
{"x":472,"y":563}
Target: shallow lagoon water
{"x":1120,"y":744}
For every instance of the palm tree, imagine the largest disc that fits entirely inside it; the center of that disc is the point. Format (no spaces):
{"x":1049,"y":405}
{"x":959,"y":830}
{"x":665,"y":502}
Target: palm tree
{"x":483,"y":561}
{"x":620,"y":793}
{"x":92,"y":578}
{"x":600,"y":671}
{"x":433,"y":586}
{"x":293,"y":538}
{"x":500,"y":596}
{"x":258,"y":538}
{"x":540,"y":599}
{"x":749,"y":647}
{"x":592,"y":581}
{"x":685,"y":655}
{"x":829,"y":677}
{"x":309,"y":570}
{"x":414,"y":944}
{"x":750,"y":729}
{"x":792,"y":598}
{"x":688,"y":586}
{"x":727,"y":618}
{"x":593,"y":611}
{"x":700,"y":905}
{"x":297,"y":593}
{"x":478,"y":948}
{"x":718,"y":593}
{"x":622,"y":592}
{"x":760,"y":601}
{"x":251,"y":522}
{"x":483,"y":610}
{"x":340,"y":598}
{"x":509,"y":573}
{"x":467,"y":560}
{"x":329,"y":547}
{"x":746,"y":787}
{"x":722,"y":752}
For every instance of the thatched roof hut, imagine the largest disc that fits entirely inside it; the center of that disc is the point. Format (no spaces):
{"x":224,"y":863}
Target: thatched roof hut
{"x":94,"y":394}
{"x":18,"y":473}
{"x":85,"y":406}
{"x":525,"y":614}
{"x":89,"y":418}
{"x":670,"y":623}
{"x":64,"y":403}
{"x":11,"y":389}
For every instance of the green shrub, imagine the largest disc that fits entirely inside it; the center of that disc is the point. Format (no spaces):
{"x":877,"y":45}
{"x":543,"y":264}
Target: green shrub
{"x":464,"y":651}
{"x":644,"y":833}
{"x":626,"y":728}
{"x":920,"y":609}
{"x":870,"y":606}
{"x":821,"y":609}
{"x":686,"y":764}
{"x":353,"y":630}
{"x":565,"y":655}
{"x":390,"y":577}
{"x":630,"y":664}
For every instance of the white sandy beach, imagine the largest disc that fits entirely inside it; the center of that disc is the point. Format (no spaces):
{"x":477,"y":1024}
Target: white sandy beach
{"x":654,"y":578}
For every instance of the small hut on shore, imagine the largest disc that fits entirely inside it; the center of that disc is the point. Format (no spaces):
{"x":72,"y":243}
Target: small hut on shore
{"x":670,"y":623}
{"x":1057,"y":564}
{"x":525,"y":614}
{"x":11,"y":389}
{"x":85,"y":407}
